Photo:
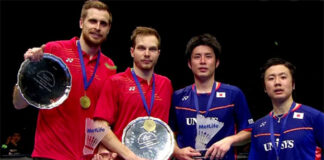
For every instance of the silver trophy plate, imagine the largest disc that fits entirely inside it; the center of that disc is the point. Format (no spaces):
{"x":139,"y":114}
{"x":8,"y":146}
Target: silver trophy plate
{"x":155,"y":145}
{"x":44,"y":84}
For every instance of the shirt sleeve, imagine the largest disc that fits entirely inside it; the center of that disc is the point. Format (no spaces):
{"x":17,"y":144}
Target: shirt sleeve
{"x":53,"y":48}
{"x":254,"y":154}
{"x":319,"y":129}
{"x":172,"y":115}
{"x":49,"y":47}
{"x":107,"y":102}
{"x":242,"y":113}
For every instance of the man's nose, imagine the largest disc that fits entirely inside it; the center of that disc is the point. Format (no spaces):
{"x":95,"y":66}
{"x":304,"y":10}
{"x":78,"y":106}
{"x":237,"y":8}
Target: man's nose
{"x":202,"y":59}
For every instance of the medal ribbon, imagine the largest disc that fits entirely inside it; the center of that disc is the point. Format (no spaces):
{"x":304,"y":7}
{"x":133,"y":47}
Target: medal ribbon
{"x":209,"y":100}
{"x":85,"y":82}
{"x":272,"y":137}
{"x":148,"y":110}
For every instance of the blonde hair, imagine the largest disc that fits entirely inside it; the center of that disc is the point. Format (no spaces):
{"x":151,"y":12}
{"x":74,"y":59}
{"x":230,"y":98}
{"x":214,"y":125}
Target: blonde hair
{"x":95,"y":4}
{"x":144,"y":31}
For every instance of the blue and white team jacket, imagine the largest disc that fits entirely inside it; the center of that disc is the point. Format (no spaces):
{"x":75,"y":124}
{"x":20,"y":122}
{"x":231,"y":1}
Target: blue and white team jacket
{"x":229,"y":106}
{"x":303,"y":132}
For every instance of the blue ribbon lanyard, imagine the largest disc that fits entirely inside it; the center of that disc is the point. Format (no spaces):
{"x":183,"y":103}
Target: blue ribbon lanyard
{"x":209,"y":100}
{"x":84,"y":75}
{"x":272,"y":137}
{"x":148,"y":110}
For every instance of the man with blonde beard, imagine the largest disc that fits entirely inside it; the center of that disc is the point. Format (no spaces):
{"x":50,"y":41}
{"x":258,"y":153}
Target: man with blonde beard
{"x":60,"y":131}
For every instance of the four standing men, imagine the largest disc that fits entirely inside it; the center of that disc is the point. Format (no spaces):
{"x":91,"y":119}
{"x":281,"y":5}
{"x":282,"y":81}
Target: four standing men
{"x":208,"y":117}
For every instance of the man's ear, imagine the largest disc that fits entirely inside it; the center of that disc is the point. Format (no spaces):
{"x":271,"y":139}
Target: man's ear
{"x":189,"y":64}
{"x":81,"y":23}
{"x":217,"y":63}
{"x":132,"y":51}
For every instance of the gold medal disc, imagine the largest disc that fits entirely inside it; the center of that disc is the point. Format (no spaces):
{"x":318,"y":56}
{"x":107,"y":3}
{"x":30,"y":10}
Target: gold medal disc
{"x":85,"y":102}
{"x":149,"y":125}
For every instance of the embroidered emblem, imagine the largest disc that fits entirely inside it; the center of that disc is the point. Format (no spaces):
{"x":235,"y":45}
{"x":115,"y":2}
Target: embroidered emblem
{"x":110,"y":67}
{"x":70,"y":60}
{"x":185,"y":98}
{"x":132,"y":88}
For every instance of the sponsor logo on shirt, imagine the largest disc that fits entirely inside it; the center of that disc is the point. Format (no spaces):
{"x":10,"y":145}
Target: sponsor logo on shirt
{"x":250,"y":121}
{"x":263,"y":124}
{"x":132,"y":88}
{"x":220,"y":94}
{"x":184,"y":98}
{"x":193,"y":121}
{"x":284,"y":144}
{"x":70,"y":60}
{"x":298,"y":115}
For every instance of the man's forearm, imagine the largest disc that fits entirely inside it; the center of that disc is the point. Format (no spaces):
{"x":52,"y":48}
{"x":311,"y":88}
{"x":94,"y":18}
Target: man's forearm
{"x":111,"y":142}
{"x":241,"y":138}
{"x":18,"y":100}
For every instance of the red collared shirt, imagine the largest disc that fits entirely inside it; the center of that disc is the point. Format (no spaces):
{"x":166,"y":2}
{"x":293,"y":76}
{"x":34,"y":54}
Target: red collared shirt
{"x":120,"y":101}
{"x":60,"y":131}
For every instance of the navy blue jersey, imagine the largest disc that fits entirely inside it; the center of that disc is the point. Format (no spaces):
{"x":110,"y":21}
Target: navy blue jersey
{"x":229,"y":106}
{"x":303,"y":132}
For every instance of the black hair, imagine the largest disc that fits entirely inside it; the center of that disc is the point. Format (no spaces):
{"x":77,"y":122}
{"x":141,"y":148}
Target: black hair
{"x":277,"y":61}
{"x":204,"y":39}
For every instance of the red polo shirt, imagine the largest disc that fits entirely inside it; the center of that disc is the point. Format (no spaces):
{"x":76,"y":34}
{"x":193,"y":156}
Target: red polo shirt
{"x":60,"y":131}
{"x":120,"y":101}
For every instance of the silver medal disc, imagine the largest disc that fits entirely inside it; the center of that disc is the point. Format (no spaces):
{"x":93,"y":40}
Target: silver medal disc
{"x":44,"y":84}
{"x":153,"y":145}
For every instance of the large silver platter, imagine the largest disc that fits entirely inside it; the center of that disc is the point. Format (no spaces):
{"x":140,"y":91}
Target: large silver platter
{"x":44,"y":84}
{"x":155,"y":145}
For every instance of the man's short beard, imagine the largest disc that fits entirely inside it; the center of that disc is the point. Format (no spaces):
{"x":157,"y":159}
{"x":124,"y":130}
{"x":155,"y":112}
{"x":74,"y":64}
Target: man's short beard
{"x":90,"y":43}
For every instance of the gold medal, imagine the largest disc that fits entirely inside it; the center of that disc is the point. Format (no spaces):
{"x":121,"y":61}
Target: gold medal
{"x":85,"y":102}
{"x":149,"y":125}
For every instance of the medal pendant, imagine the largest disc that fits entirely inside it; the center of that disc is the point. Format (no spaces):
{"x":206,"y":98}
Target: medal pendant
{"x":85,"y":102}
{"x":149,"y":125}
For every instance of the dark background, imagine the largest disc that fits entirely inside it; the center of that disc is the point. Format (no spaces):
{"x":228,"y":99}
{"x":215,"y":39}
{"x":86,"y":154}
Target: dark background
{"x":250,"y":32}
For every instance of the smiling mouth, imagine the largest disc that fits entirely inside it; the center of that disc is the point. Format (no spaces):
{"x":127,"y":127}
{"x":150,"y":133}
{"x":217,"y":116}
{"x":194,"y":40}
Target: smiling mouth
{"x":96,"y":35}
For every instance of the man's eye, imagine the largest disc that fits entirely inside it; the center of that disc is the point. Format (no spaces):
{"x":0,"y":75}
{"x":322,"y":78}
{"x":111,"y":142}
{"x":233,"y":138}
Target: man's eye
{"x":141,"y":48}
{"x":209,"y":56}
{"x":153,"y":49}
{"x":92,"y":21}
{"x":104,"y":24}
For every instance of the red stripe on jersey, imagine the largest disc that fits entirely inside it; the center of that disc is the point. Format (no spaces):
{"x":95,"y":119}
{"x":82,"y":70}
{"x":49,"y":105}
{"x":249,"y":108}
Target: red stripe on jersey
{"x":265,"y":134}
{"x":318,"y":154}
{"x":301,"y":128}
{"x":203,"y":112}
{"x":222,"y":107}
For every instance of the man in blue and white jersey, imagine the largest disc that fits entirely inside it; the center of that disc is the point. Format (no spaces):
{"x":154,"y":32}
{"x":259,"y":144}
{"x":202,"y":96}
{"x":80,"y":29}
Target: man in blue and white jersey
{"x":291,"y":130}
{"x":208,"y":117}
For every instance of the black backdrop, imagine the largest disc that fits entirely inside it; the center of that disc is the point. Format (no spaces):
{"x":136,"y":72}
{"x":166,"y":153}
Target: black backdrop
{"x":250,"y":32}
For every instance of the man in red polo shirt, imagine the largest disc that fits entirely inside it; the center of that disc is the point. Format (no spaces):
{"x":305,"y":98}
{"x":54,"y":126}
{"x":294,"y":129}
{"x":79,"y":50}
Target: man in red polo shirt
{"x":122,"y":103}
{"x":60,"y":131}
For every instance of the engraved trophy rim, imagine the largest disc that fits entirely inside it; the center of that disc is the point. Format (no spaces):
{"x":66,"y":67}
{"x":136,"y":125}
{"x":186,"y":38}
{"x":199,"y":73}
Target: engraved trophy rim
{"x":169,"y":148}
{"x":60,"y":99}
